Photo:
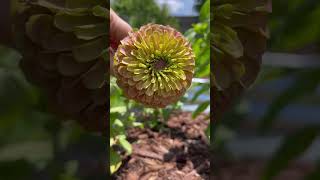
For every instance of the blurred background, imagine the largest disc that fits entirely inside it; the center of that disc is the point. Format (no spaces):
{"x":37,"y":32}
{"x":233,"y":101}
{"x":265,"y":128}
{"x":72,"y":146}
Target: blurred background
{"x":35,"y":144}
{"x":272,"y":132}
{"x":179,"y":14}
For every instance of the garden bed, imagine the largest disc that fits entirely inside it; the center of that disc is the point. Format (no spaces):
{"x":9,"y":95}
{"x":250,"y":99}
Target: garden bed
{"x":180,"y":150}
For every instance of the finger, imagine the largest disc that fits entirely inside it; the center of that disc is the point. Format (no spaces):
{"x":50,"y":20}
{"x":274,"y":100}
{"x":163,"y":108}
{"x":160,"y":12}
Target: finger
{"x":118,"y":27}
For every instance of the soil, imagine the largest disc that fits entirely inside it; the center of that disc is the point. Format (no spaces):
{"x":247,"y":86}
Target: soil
{"x":179,"y":152}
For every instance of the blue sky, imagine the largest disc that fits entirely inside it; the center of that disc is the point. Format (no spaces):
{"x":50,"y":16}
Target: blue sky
{"x":180,"y":7}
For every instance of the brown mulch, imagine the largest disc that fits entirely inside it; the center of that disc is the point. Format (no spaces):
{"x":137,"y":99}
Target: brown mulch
{"x":180,"y":152}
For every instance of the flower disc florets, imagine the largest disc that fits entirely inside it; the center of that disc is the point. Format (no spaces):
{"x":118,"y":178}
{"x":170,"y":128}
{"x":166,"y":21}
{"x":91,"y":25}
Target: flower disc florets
{"x":154,"y":65}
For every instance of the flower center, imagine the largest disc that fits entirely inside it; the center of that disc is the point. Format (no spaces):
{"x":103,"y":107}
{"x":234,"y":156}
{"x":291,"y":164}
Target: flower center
{"x":160,"y":64}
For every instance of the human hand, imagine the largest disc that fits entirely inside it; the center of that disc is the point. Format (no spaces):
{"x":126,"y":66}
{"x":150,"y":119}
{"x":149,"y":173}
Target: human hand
{"x":118,"y":30}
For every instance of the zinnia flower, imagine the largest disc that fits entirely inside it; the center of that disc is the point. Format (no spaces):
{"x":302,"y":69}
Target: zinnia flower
{"x":154,"y":65}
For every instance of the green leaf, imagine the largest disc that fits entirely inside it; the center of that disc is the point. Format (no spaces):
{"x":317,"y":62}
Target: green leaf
{"x":295,"y":30}
{"x":224,"y":11}
{"x":125,"y":144}
{"x":166,"y":113}
{"x":9,"y":57}
{"x":293,"y":146}
{"x":119,"y":109}
{"x":190,"y":34}
{"x":39,"y":28}
{"x":68,"y":66}
{"x":91,"y":32}
{"x":115,"y":161}
{"x":68,"y":23}
{"x":61,"y":6}
{"x":62,"y":42}
{"x":204,"y":88}
{"x":203,"y":62}
{"x":205,"y":11}
{"x":306,"y":83}
{"x":249,"y":5}
{"x":85,"y":3}
{"x":51,"y":4}
{"x":202,"y":107}
{"x":17,"y":97}
{"x":95,"y":77}
{"x":118,"y":124}
{"x":91,"y":50}
{"x":100,"y":12}
{"x":227,"y":40}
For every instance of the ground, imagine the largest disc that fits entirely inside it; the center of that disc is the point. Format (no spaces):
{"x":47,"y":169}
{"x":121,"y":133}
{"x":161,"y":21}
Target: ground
{"x":179,"y":152}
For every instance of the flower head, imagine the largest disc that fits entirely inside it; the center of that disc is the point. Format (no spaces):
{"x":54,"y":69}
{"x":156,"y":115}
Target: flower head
{"x":154,"y":65}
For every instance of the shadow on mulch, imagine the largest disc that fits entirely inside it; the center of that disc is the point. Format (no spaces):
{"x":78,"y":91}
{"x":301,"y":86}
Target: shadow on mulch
{"x":180,"y":152}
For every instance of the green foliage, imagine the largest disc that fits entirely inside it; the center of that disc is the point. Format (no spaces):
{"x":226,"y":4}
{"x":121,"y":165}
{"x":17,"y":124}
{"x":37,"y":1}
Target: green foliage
{"x":199,"y":4}
{"x":203,"y":89}
{"x":138,"y":13}
{"x":199,"y":36}
{"x":62,"y":43}
{"x":115,"y":161}
{"x":232,"y":23}
{"x":294,"y":24}
{"x":202,"y":107}
{"x":238,"y":39}
{"x":121,"y":118}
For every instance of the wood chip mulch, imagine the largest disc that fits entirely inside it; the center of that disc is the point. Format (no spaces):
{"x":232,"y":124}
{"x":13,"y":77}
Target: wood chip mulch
{"x":180,"y":152}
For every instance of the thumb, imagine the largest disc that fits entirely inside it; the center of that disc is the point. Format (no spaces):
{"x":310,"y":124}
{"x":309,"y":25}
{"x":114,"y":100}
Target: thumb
{"x":118,"y":28}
